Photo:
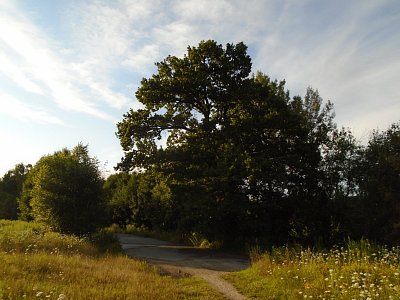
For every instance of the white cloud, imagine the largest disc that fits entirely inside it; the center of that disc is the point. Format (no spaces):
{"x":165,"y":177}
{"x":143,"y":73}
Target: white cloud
{"x":113,"y":34}
{"x":35,"y":63}
{"x":97,"y":87}
{"x":380,"y":119}
{"x":143,"y":58}
{"x":27,"y":113}
{"x":17,"y":74}
{"x":339,"y":47}
{"x":206,"y":10}
{"x":342,"y":49}
{"x":175,"y":37}
{"x":333,"y":46}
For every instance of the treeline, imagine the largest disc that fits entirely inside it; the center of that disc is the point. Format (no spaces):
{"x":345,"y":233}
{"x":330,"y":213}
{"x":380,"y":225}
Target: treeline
{"x":227,"y":155}
{"x":352,"y":191}
{"x":243,"y":162}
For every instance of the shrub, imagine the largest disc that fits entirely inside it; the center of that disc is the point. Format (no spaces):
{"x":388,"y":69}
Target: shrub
{"x":65,"y":192}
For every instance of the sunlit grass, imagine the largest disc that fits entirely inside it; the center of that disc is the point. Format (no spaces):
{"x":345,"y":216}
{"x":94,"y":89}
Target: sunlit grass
{"x":39,"y":264}
{"x":24,"y":237}
{"x":359,"y":271}
{"x":40,"y":276}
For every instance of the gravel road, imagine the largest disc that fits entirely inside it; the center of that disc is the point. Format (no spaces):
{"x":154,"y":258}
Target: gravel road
{"x":181,"y":260}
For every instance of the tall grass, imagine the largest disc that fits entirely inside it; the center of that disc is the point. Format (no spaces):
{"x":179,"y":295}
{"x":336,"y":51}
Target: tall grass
{"x":360,"y":270}
{"x":36,"y":263}
{"x":28,"y":238}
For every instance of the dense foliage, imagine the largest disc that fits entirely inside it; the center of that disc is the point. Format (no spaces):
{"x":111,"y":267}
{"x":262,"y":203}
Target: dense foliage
{"x":64,"y":191}
{"x":380,"y":185}
{"x":10,"y":189}
{"x":233,"y":157}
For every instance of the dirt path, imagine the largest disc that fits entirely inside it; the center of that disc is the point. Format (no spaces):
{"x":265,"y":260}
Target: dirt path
{"x":182,"y":260}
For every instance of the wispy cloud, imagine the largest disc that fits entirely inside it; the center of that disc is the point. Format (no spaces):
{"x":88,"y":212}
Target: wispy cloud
{"x":116,"y":35}
{"x":36,"y":63}
{"x":25,"y":112}
{"x":17,"y":74}
{"x":342,"y":48}
{"x":91,"y":55}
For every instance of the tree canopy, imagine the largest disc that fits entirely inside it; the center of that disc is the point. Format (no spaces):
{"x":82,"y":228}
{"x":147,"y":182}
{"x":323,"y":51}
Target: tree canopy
{"x":188,"y":98}
{"x":239,"y":154}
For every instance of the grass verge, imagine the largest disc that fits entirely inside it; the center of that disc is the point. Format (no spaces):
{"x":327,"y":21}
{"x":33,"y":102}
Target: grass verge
{"x":359,"y":271}
{"x":39,"y":264}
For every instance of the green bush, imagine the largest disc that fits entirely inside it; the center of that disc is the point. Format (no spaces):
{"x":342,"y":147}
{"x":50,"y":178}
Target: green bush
{"x":64,"y":191}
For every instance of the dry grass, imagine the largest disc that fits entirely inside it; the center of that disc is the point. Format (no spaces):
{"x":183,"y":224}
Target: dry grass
{"x":39,"y":264}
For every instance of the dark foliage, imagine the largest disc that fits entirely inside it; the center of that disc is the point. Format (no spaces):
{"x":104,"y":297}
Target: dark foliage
{"x":10,"y":189}
{"x":243,"y":161}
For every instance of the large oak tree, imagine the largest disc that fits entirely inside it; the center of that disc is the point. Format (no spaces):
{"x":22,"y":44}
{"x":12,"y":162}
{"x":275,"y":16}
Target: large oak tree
{"x":241,"y":158}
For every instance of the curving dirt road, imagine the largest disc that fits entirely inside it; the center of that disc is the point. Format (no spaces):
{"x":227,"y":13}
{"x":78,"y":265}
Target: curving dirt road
{"x":184,"y":260}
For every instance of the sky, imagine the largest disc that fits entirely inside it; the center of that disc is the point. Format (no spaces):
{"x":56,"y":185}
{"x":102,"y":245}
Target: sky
{"x":69,"y":69}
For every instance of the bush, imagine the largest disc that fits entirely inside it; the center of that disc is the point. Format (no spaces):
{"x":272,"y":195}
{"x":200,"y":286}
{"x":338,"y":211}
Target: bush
{"x":65,"y":192}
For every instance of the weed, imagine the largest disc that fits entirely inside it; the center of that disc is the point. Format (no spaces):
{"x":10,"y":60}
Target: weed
{"x":361,"y":270}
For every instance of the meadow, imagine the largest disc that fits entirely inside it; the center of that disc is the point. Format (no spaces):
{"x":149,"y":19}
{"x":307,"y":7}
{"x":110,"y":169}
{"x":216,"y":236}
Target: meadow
{"x":359,"y":270}
{"x":36,"y":263}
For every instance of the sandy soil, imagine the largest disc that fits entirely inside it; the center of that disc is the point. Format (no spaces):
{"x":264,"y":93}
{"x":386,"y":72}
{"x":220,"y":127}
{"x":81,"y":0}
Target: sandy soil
{"x":178,"y":260}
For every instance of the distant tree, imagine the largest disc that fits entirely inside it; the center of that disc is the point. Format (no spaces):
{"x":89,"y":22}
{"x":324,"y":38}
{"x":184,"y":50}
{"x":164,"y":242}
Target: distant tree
{"x":380,"y":186}
{"x":120,"y":190}
{"x":24,"y":200}
{"x":342,"y":169}
{"x":10,"y":189}
{"x":308,"y":194}
{"x":64,"y":191}
{"x":142,"y":199}
{"x":8,"y":206}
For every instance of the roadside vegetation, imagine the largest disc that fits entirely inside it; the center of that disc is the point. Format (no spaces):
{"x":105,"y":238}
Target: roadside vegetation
{"x":193,"y":239}
{"x":358,"y":271}
{"x":36,"y":263}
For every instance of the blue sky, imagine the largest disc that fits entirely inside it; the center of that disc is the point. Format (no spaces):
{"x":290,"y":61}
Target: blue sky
{"x":69,"y":69}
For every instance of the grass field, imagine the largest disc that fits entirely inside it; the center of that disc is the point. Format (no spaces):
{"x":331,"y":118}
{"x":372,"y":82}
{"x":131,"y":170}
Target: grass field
{"x":36,"y":263}
{"x":358,"y":271}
